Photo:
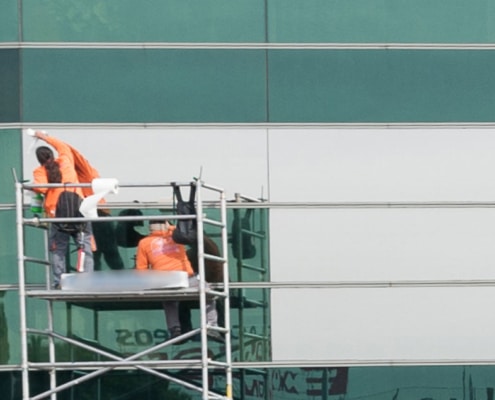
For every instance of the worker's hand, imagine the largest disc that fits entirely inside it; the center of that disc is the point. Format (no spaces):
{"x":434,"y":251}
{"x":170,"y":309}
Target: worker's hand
{"x":40,"y":134}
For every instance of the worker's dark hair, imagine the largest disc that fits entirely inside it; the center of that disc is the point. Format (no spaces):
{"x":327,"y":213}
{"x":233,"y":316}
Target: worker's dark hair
{"x":45,"y":157}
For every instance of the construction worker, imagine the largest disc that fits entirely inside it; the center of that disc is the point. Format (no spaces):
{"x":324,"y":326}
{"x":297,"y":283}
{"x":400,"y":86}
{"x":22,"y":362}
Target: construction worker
{"x":159,"y":251}
{"x":60,"y":170}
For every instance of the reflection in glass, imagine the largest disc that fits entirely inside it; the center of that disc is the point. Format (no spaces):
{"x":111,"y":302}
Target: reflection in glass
{"x":126,"y":328}
{"x":4,"y":332}
{"x":319,"y":383}
{"x":105,"y":236}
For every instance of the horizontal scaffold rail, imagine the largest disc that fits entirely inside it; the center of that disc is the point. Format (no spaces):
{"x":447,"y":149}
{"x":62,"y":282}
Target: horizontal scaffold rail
{"x":40,"y":220}
{"x":101,"y":296}
{"x":361,"y":284}
{"x":364,"y":204}
{"x":31,"y":186}
{"x":318,"y":204}
{"x":294,"y":205}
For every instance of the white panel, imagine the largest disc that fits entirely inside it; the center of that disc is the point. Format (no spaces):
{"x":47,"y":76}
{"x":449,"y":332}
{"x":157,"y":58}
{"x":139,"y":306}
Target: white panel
{"x":383,"y":324}
{"x":382,"y":164}
{"x":382,"y":244}
{"x":316,"y":245}
{"x":235,"y":160}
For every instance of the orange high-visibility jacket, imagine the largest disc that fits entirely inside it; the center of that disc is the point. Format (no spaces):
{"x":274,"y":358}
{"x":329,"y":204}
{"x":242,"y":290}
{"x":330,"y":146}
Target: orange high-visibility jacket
{"x":158,"y":251}
{"x":74,"y":169}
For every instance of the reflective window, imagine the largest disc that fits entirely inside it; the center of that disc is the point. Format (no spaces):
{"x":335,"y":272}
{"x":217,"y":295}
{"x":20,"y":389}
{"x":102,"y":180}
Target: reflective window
{"x":10,"y":345}
{"x":380,"y":86}
{"x":249,"y":245}
{"x":9,"y":87}
{"x":400,"y":383}
{"x":153,"y":21}
{"x":245,"y":20}
{"x":8,"y":238}
{"x":9,"y":21}
{"x":393,"y":21}
{"x":144,"y":85}
{"x":10,"y":159}
{"x":304,"y":86}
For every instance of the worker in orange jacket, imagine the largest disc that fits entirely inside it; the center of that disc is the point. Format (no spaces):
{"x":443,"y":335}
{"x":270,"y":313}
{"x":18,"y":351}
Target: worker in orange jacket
{"x":158,"y":251}
{"x":60,"y":170}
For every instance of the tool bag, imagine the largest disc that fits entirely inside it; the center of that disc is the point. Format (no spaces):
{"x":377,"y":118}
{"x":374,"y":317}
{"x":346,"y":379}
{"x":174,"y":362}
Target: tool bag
{"x":186,"y":231}
{"x":68,"y":204}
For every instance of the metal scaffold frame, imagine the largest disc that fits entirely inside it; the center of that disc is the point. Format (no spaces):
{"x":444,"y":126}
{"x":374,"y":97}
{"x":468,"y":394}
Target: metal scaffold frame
{"x":96,"y":368}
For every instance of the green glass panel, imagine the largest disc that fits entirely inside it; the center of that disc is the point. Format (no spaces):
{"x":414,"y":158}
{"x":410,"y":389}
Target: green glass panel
{"x":391,"y":21}
{"x":455,"y":382}
{"x":9,"y":86}
{"x":423,"y":21}
{"x":150,"y":21}
{"x":127,"y":328}
{"x":381,"y":86}
{"x":249,"y":245}
{"x":250,"y":324}
{"x":144,"y":85}
{"x":10,"y":344}
{"x":119,"y":384}
{"x":380,"y":383}
{"x":9,"y":21}
{"x":8,"y":255}
{"x":10,"y":161}
{"x":34,"y":247}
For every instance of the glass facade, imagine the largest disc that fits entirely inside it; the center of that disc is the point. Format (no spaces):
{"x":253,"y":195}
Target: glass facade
{"x":255,"y":86}
{"x":170,"y":21}
{"x":380,"y":86}
{"x":143,"y":86}
{"x":125,"y":81}
{"x":431,"y":382}
{"x":10,"y":104}
{"x":387,"y":21}
{"x":257,"y":21}
{"x":9,"y":22}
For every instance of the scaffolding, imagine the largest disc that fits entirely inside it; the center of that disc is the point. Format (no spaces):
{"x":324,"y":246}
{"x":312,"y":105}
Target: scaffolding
{"x":123,"y":299}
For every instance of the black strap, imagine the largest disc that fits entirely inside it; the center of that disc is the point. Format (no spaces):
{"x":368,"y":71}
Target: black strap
{"x":186,"y":229}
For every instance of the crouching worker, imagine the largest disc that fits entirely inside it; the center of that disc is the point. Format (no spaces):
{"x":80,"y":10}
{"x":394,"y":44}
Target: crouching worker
{"x":159,"y":251}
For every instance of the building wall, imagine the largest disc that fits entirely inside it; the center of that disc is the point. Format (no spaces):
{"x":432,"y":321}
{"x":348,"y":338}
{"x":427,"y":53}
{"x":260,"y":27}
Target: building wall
{"x":316,"y":106}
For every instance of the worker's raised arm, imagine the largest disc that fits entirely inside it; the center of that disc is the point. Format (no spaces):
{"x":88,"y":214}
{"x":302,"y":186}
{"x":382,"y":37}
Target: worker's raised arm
{"x":63,"y":149}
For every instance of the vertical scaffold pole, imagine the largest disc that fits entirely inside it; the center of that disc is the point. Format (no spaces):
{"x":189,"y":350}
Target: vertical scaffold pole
{"x":49,"y":307}
{"x":228,"y":349}
{"x":22,"y":290}
{"x":202,"y":291}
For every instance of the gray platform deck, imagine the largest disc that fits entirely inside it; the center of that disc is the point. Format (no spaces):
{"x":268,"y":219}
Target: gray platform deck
{"x":125,"y":300}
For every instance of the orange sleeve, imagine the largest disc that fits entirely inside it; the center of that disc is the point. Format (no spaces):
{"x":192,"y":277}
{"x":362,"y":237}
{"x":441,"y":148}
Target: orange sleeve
{"x":141,"y":257}
{"x":40,"y":178}
{"x":63,"y":149}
